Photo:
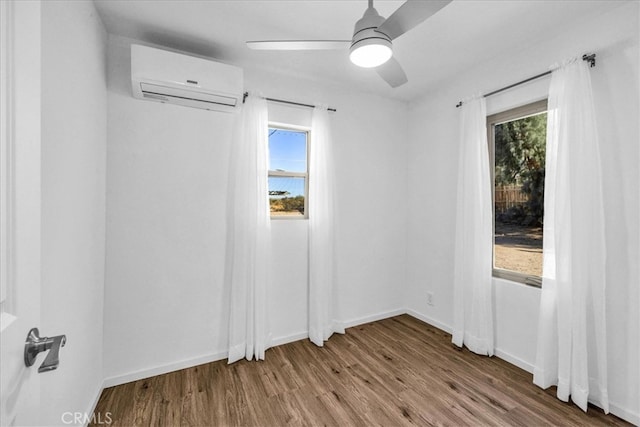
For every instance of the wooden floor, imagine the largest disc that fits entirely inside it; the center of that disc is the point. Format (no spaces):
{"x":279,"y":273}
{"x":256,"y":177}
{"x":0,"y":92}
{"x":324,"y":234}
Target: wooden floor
{"x":394,"y":372}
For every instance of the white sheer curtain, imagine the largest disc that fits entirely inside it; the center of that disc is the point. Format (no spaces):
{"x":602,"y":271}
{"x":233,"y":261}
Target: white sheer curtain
{"x":248,"y":233}
{"x":572,"y":330}
{"x":473,"y":305}
{"x":321,"y":206}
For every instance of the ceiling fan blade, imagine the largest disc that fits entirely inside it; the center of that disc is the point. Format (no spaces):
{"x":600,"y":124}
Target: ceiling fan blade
{"x":298,"y":44}
{"x":410,"y":14}
{"x":392,"y":73}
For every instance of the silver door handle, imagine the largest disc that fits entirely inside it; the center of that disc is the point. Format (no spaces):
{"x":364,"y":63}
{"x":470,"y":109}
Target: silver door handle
{"x":36,"y":344}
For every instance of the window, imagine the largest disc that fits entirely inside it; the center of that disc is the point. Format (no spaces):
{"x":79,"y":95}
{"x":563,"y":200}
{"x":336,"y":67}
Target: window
{"x":517,"y":141}
{"x":288,"y":183}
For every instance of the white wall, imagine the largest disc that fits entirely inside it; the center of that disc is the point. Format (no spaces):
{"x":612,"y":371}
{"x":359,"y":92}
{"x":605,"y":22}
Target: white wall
{"x":432,"y":177}
{"x":74,"y":111}
{"x":165,"y":303}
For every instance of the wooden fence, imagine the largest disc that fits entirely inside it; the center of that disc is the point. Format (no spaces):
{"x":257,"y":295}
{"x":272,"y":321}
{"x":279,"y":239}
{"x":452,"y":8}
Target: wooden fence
{"x":508,"y":196}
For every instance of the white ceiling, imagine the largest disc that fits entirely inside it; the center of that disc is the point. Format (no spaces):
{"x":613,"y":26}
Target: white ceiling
{"x":464,"y":33}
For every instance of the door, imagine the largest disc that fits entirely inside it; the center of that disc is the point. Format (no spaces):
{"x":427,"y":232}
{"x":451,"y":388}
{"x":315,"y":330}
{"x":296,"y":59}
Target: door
{"x":19,"y":208}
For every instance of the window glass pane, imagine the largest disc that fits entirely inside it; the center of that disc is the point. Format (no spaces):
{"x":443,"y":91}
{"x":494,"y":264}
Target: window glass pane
{"x":518,"y":196}
{"x":287,"y":150}
{"x":286,"y":196}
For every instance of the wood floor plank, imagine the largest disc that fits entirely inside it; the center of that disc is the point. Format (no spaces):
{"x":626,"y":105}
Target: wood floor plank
{"x":394,"y":372}
{"x":123,"y":404}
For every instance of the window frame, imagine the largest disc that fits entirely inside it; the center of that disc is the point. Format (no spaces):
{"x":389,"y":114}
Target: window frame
{"x":288,"y":174}
{"x":511,"y":114}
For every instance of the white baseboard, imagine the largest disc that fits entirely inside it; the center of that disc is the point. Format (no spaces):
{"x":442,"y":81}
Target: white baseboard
{"x":371,"y":318}
{"x":625,"y":414}
{"x":188,"y":363}
{"x":289,"y":338}
{"x":507,"y":357}
{"x":429,"y":320}
{"x":163,"y":369}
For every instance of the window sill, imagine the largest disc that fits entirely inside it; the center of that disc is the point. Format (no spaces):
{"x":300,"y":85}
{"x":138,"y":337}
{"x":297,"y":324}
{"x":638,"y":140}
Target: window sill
{"x":289,"y":218}
{"x":519,"y":278}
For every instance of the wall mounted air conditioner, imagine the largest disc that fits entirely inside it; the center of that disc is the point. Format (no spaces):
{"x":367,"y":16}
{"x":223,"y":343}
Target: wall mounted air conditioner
{"x":158,"y":75}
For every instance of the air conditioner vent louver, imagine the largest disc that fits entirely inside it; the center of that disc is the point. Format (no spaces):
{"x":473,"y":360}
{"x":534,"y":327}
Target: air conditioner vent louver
{"x":158,"y":75}
{"x":154,"y":96}
{"x":186,"y":94}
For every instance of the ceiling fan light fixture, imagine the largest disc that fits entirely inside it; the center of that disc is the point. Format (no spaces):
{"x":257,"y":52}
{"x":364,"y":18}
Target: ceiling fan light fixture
{"x":371,"y":52}
{"x":369,"y":48}
{"x":371,"y":44}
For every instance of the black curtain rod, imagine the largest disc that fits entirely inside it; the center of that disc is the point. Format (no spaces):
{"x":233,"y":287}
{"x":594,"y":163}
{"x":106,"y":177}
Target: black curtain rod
{"x":282,"y":101}
{"x":590,"y":58}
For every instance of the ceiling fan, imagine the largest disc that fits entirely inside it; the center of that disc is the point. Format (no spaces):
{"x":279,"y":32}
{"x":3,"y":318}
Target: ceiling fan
{"x":371,"y":45}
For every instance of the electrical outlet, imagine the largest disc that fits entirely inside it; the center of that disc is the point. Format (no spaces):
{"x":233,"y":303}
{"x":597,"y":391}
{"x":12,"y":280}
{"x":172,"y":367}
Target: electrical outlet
{"x":430,"y":298}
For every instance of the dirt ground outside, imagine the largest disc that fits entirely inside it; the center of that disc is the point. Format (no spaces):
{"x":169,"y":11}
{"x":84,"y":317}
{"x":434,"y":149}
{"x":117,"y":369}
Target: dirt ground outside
{"x":518,"y":248}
